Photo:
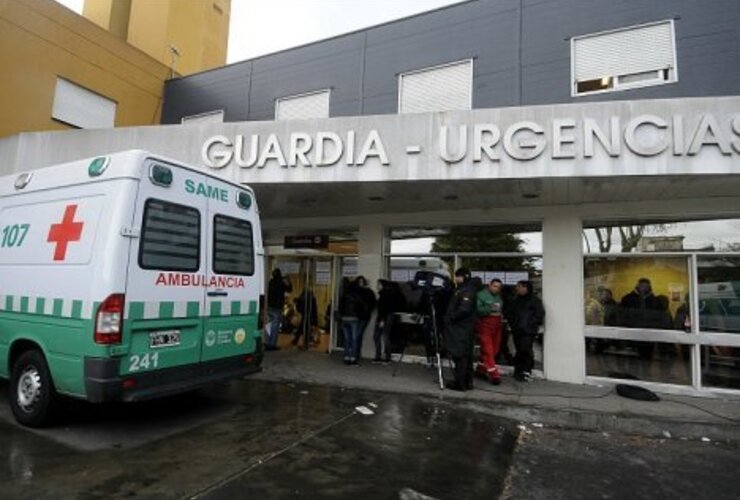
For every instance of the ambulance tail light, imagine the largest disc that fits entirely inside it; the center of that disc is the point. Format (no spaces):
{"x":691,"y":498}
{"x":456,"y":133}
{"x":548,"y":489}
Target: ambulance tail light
{"x":109,"y":320}
{"x":261,"y":313}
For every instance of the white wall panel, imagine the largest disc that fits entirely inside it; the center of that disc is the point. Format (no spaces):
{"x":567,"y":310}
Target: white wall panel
{"x":82,"y":108}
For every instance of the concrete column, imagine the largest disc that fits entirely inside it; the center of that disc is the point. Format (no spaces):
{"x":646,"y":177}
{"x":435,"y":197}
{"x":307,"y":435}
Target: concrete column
{"x":372,"y":243}
{"x":562,"y":280}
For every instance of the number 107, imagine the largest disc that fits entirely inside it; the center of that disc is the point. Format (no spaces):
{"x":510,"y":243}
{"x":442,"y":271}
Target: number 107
{"x":13,"y":235}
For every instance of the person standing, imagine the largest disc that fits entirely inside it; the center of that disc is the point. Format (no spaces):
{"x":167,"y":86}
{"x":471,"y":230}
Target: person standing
{"x":489,"y":306}
{"x":527,"y":315}
{"x":460,"y":330}
{"x":277,"y":289}
{"x":350,"y":311}
{"x":368,"y":302}
{"x":390,"y":301}
{"x":307,"y":308}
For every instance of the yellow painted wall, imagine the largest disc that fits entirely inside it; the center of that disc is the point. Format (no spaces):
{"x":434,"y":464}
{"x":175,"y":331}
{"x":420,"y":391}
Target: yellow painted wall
{"x":42,"y":40}
{"x":199,"y":29}
{"x":668,"y":276}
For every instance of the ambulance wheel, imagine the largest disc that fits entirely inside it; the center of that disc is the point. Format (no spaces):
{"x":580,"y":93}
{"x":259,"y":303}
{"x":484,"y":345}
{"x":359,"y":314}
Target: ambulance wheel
{"x":32,"y":393}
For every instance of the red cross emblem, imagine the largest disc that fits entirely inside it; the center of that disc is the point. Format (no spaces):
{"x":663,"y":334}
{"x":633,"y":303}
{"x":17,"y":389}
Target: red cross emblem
{"x":65,"y":232}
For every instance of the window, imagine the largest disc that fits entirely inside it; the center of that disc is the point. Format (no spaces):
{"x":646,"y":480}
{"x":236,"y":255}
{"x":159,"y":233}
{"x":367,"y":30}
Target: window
{"x":232,"y":246}
{"x":441,"y":88}
{"x":303,"y":106}
{"x":82,"y":108}
{"x":170,"y":237}
{"x":207,"y":117}
{"x":633,"y":57}
{"x":662,"y":301}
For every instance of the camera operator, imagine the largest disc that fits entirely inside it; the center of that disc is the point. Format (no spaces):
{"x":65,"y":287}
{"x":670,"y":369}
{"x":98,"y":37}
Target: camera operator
{"x":460,"y":330}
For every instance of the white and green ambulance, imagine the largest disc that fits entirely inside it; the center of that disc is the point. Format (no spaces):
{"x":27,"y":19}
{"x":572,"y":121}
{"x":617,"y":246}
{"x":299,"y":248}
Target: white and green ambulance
{"x":125,"y":277}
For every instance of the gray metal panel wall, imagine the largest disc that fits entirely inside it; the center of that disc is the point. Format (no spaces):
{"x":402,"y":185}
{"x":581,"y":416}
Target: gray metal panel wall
{"x":521,"y":51}
{"x":335,"y":63}
{"x":224,"y":88}
{"x":706,"y":45}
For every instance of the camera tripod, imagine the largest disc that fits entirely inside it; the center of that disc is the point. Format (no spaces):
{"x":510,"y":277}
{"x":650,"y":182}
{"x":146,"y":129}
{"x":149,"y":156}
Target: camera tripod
{"x":434,"y":338}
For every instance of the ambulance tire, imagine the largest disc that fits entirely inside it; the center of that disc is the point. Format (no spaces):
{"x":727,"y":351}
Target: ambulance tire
{"x":32,"y":394}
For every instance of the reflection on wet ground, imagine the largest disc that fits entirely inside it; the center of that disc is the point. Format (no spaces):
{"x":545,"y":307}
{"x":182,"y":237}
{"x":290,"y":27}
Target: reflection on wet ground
{"x":253,"y":437}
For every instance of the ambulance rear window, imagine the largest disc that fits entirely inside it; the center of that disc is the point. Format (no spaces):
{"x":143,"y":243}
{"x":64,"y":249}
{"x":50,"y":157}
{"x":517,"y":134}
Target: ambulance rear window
{"x":233,"y":251}
{"x":170,"y":237}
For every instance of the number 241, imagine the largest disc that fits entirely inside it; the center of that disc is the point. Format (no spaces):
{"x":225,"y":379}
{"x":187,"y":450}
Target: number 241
{"x":143,"y":361}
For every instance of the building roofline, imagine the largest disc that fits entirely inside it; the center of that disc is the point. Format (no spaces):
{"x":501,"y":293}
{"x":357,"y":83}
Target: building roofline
{"x":334,"y":37}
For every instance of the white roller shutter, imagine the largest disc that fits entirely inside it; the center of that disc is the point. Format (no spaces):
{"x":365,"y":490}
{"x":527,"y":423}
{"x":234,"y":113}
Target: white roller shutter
{"x":625,"y":52}
{"x":443,"y":88}
{"x":82,"y":108}
{"x":304,"y":106}
{"x":201,"y":118}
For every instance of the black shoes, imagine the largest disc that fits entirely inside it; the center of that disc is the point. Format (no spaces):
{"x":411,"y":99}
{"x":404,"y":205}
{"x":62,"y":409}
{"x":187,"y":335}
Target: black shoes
{"x":453,"y":385}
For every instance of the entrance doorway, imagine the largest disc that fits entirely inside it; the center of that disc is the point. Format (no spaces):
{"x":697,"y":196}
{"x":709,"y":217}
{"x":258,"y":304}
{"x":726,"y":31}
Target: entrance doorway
{"x":306,"y":320}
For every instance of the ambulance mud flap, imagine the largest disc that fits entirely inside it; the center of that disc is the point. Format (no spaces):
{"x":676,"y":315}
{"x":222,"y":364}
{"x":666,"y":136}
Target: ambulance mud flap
{"x":103,"y":382}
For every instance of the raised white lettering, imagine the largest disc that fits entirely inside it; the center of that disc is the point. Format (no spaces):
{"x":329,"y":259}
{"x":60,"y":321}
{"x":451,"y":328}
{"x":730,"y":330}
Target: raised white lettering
{"x":271,"y":151}
{"x":324,"y":155}
{"x":462,"y":144}
{"x":611,"y":144}
{"x":528,"y":147}
{"x":239,"y":158}
{"x":373,"y":146}
{"x":300,"y":145}
{"x":562,"y":135}
{"x":485,"y":138}
{"x":709,"y":133}
{"x":216,"y":158}
{"x":659,"y":141}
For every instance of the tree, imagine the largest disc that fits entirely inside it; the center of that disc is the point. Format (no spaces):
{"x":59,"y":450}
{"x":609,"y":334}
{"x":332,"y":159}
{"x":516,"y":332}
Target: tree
{"x":474,"y":239}
{"x":629,"y":236}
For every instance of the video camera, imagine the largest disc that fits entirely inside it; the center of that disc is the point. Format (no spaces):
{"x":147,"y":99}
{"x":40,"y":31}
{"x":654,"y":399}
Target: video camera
{"x":429,"y":288}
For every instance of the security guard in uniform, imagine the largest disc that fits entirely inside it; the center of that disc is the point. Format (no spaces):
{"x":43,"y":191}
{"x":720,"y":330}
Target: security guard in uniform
{"x":460,"y":330}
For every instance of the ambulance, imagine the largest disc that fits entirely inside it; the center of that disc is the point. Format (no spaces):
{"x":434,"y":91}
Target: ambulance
{"x":123,"y":278}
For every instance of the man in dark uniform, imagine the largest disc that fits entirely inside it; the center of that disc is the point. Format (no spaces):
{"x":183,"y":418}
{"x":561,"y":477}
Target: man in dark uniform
{"x":460,"y":330}
{"x":527,"y":315}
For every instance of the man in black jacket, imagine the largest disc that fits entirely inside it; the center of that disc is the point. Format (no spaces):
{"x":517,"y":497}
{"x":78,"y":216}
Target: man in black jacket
{"x":277,"y":289}
{"x":460,"y":330}
{"x":527,"y":315}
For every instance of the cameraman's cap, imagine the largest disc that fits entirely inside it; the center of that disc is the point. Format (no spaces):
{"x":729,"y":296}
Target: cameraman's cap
{"x":463,"y":272}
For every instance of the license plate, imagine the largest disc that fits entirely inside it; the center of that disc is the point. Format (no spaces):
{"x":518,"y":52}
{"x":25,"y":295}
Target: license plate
{"x":167,"y":338}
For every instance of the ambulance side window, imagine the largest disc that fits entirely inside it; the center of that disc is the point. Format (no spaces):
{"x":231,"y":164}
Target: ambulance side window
{"x":233,"y":248}
{"x":170,"y":237}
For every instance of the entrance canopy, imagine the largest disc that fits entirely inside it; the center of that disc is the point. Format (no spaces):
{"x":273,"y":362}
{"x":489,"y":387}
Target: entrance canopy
{"x":567,"y":154}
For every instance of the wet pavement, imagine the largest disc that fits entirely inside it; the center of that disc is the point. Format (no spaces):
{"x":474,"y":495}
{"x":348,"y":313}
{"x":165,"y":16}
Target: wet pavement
{"x":250,"y":437}
{"x":288,"y":440}
{"x":574,"y":465}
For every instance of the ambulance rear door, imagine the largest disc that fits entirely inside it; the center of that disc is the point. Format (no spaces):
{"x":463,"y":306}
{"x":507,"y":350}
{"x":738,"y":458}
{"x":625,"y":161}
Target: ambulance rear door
{"x":231,"y":322}
{"x":163,"y":325}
